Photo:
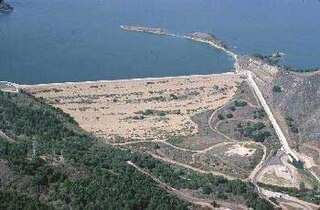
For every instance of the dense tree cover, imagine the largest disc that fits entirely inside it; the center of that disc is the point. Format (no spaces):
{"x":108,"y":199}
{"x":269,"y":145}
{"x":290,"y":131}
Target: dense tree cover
{"x":92,"y":175}
{"x":58,"y":165}
{"x":217,"y":186}
{"x":256,"y":131}
{"x":16,"y":201}
{"x":303,"y":193}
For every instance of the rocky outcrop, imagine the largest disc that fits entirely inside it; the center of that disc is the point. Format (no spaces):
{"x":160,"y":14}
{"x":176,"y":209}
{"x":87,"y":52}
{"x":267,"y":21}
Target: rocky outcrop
{"x":4,"y":7}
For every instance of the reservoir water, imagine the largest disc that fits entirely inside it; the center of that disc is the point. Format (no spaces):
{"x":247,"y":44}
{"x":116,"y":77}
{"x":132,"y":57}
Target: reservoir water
{"x":66,"y":40}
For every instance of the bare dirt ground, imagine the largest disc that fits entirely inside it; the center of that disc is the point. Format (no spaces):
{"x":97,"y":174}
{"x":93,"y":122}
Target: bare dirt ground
{"x":226,"y":159}
{"x":3,"y":136}
{"x":140,"y":109}
{"x":279,"y":175}
{"x":241,"y":150}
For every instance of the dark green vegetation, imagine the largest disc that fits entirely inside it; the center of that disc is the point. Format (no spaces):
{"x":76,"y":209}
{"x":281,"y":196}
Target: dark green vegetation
{"x":228,"y":115}
{"x":213,"y":186}
{"x":277,"y":89}
{"x":270,"y":59}
{"x":257,"y":131}
{"x":291,"y":124}
{"x":152,"y":112}
{"x":240,"y":103}
{"x":301,"y":70}
{"x":303,"y":193}
{"x":259,"y":114}
{"x":175,"y":139}
{"x":55,"y":164}
{"x":237,"y":104}
{"x":274,"y":60}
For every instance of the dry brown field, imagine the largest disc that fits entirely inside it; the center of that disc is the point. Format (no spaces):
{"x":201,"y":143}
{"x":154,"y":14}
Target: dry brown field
{"x":146,"y":109}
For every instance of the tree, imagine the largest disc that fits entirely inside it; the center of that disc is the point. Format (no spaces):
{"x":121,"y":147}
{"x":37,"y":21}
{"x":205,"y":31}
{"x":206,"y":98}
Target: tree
{"x":277,"y":89}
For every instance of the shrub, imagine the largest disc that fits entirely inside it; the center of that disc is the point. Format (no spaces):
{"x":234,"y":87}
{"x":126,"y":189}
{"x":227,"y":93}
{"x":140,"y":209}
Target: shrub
{"x":256,"y":131}
{"x":229,"y":115}
{"x":240,"y":103}
{"x":220,"y":117}
{"x":277,"y":89}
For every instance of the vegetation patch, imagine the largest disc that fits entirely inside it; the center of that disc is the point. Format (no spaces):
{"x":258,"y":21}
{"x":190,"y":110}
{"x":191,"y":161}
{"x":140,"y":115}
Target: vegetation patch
{"x":302,"y":193}
{"x":257,"y":131}
{"x":153,"y":112}
{"x":206,"y":185}
{"x":277,"y":89}
{"x":291,"y":123}
{"x":259,"y":114}
{"x":240,"y":103}
{"x":175,"y":140}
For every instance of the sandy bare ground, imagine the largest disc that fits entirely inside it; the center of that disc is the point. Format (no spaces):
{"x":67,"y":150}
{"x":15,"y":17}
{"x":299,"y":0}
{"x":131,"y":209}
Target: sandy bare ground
{"x":140,"y":109}
{"x":239,"y":149}
{"x":284,"y":174}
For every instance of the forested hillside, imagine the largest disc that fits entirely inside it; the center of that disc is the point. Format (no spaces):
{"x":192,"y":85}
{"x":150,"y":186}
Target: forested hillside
{"x":51,"y":163}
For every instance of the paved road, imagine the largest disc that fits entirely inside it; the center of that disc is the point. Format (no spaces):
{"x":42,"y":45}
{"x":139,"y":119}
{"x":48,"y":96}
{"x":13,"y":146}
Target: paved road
{"x":274,"y":123}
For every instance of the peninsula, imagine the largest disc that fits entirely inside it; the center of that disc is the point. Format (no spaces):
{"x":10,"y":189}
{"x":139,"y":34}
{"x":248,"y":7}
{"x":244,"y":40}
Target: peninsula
{"x":4,"y":7}
{"x":196,"y":36}
{"x":159,"y":31}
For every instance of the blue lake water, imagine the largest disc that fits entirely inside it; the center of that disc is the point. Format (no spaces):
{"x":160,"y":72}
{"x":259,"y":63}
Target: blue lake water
{"x":66,"y":40}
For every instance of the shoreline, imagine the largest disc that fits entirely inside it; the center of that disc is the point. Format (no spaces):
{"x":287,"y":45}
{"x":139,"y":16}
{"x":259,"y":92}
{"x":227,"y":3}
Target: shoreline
{"x":126,"y":80}
{"x":209,"y":39}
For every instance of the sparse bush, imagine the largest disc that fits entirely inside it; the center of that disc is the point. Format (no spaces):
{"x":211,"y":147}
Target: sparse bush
{"x":256,"y":131}
{"x":174,"y":97}
{"x":291,"y":124}
{"x":240,"y":103}
{"x":229,"y":115}
{"x":259,"y":114}
{"x":175,"y":139}
{"x":232,"y":108}
{"x":220,"y":117}
{"x":277,"y":89}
